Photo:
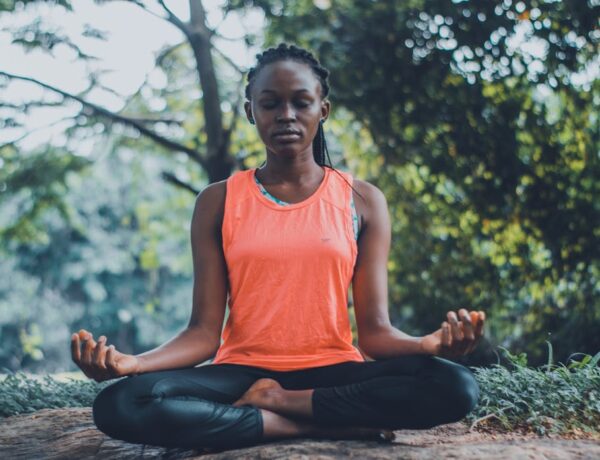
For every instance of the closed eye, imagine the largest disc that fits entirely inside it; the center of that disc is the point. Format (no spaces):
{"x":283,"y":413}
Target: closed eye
{"x":273,"y":105}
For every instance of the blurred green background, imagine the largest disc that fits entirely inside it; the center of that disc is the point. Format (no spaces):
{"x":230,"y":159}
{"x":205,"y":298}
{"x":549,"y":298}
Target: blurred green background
{"x":478,"y":121}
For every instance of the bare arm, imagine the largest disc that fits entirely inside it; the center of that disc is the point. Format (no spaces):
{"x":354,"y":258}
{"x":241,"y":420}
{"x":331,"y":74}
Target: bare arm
{"x":200,"y":340}
{"x":376,"y":336}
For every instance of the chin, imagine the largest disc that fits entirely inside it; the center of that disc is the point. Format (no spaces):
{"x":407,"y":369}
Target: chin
{"x":293,"y":148}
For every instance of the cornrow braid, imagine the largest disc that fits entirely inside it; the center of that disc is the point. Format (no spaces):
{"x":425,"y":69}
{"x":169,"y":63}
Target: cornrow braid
{"x":284,"y":52}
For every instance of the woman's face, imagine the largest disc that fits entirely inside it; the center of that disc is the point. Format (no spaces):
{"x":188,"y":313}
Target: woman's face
{"x":286,"y":97}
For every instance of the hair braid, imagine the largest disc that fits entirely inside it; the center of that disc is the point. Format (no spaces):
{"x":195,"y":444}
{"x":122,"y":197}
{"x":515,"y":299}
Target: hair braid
{"x":284,"y":52}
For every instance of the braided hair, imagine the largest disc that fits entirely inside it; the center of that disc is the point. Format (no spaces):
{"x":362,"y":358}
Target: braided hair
{"x":283,"y":52}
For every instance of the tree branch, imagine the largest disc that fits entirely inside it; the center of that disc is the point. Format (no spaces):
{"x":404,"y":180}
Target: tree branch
{"x":26,"y":106}
{"x":162,"y":55}
{"x":229,"y":61}
{"x":174,"y":19}
{"x":33,"y":130}
{"x":167,"y":143}
{"x":170,"y":177}
{"x":169,"y":121}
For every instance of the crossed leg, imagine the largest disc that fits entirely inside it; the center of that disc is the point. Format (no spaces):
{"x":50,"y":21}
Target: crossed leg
{"x":224,"y":405}
{"x":405,"y":392}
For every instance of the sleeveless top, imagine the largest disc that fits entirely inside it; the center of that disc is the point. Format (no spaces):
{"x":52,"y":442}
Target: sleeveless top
{"x":354,"y":216}
{"x":289,"y":270}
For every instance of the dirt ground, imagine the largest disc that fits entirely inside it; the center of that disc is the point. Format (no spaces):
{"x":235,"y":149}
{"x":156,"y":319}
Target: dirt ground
{"x":70,"y":433}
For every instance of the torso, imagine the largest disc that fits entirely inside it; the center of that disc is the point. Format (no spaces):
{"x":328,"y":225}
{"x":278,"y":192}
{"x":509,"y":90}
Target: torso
{"x":297,"y":196}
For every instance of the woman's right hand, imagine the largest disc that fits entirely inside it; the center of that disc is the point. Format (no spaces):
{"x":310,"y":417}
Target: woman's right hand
{"x":99,"y":362}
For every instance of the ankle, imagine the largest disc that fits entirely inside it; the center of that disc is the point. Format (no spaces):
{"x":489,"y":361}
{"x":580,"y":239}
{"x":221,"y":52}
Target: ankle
{"x":273,"y":399}
{"x":279,"y":426}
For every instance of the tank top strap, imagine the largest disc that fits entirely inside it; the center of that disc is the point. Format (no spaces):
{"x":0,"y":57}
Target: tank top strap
{"x":339,"y":192}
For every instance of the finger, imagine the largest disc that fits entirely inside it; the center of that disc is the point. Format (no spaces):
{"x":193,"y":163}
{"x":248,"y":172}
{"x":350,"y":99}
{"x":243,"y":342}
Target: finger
{"x":478,"y":329}
{"x":457,"y":335}
{"x":111,"y":364}
{"x":77,"y":355}
{"x":474,"y":318}
{"x":83,"y":334}
{"x":88,"y":347}
{"x":480,"y":324}
{"x":446,"y":336}
{"x":468,"y":330}
{"x":99,"y":355}
{"x":75,"y":348}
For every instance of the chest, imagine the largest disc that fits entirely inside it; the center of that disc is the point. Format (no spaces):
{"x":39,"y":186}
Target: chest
{"x":319,"y":234}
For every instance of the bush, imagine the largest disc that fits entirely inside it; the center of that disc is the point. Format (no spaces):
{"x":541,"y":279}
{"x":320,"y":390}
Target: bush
{"x":556,"y":399}
{"x":21,"y":394}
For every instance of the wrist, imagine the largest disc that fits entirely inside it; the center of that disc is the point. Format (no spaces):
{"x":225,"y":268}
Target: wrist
{"x":141,"y":365}
{"x":424,"y":346}
{"x":420,"y":346}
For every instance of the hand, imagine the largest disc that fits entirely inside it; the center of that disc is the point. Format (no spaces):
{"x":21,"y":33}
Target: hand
{"x":455,"y":338}
{"x":99,"y":362}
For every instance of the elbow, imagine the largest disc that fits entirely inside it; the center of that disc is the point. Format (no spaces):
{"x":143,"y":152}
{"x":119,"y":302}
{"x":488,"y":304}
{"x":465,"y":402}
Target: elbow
{"x":369,"y":341}
{"x":210,"y":342}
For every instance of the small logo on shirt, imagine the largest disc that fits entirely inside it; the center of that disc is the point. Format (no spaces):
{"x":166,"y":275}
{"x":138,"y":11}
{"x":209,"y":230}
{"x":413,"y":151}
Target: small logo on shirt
{"x":325,"y":240}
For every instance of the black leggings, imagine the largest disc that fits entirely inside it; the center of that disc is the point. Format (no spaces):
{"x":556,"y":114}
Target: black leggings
{"x":191,"y":407}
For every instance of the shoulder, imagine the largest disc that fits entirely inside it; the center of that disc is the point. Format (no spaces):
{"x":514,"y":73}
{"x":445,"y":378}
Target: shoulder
{"x":210,"y":203}
{"x":369,"y":191}
{"x":214,"y":191}
{"x":370,"y":201}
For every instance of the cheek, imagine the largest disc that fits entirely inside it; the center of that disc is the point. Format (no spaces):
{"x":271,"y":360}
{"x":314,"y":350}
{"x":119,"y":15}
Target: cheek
{"x":262,"y":133}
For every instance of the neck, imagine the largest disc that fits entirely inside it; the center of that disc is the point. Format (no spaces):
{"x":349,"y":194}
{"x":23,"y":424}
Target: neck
{"x":297,"y":170}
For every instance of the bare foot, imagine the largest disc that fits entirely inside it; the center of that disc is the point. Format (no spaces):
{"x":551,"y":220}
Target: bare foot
{"x":269,"y":395}
{"x":260,"y":393}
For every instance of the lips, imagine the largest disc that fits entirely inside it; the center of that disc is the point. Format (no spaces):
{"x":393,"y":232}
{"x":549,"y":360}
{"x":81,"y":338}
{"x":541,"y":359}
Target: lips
{"x":287,"y":132}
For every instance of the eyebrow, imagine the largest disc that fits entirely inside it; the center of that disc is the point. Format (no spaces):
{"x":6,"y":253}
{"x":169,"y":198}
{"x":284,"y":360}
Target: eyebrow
{"x":296,"y":91}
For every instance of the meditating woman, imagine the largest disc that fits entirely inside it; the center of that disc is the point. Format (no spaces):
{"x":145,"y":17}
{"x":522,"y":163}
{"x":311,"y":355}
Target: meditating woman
{"x":281,"y":244}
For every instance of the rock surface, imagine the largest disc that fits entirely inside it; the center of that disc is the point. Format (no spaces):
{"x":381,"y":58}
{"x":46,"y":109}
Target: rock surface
{"x":71,"y":433}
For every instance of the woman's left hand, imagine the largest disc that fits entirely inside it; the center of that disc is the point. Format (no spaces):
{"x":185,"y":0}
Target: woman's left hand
{"x":455,"y":338}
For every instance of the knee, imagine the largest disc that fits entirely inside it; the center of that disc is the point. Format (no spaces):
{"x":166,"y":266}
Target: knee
{"x":462,"y":391}
{"x":108,"y":408}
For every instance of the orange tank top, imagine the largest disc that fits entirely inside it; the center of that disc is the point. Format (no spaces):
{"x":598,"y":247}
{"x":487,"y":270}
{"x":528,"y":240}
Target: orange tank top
{"x":289,"y":270}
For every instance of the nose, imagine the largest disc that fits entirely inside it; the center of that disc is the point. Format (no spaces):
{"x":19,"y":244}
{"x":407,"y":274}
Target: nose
{"x":287,"y":113}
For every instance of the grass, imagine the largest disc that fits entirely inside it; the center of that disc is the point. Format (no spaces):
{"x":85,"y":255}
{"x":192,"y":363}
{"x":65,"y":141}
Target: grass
{"x":553,"y":400}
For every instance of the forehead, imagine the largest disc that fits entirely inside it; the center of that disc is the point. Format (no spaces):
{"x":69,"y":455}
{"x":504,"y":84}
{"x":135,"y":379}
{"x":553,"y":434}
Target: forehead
{"x":286,"y":76}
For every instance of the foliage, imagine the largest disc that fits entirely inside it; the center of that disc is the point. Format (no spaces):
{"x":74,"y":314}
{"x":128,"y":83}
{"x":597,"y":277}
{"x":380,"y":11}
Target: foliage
{"x":485,"y":149}
{"x":91,"y":235}
{"x":486,"y":139}
{"x":557,"y":399}
{"x":118,"y":257}
{"x":21,"y":394}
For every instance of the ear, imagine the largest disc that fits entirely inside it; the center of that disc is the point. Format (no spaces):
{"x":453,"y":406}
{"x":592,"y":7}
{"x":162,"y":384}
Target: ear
{"x":248,"y":110}
{"x":325,"y":109}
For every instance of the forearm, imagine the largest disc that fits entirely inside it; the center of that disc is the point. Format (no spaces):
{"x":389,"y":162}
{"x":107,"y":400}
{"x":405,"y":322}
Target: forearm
{"x":187,"y":349}
{"x":389,"y":342}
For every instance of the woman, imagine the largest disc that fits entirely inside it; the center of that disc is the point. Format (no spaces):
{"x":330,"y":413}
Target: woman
{"x":285,"y":241}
